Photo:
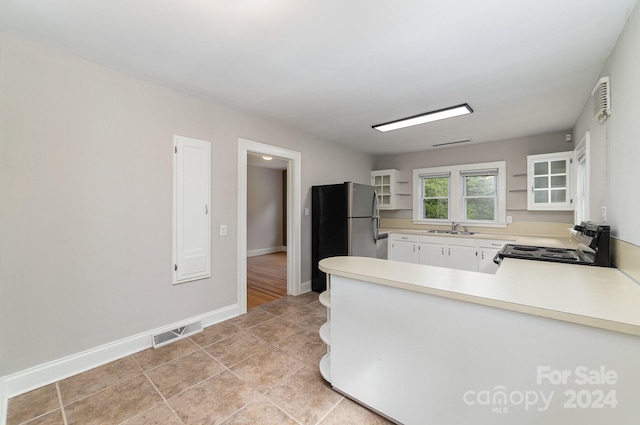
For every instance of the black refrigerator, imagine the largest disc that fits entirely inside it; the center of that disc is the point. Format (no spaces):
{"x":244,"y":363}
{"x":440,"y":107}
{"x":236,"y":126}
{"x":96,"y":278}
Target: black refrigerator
{"x":345,"y":221}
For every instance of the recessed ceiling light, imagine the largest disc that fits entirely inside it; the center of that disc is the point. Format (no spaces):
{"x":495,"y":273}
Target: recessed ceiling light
{"x":440,"y":114}
{"x":267,"y":158}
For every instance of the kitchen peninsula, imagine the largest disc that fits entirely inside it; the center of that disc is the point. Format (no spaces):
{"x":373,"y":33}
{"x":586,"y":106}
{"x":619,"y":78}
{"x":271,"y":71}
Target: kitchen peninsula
{"x":536,"y":342}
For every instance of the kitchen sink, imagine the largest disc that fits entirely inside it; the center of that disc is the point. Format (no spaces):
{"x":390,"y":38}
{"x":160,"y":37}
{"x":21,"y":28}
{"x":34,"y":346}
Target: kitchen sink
{"x":451,"y":232}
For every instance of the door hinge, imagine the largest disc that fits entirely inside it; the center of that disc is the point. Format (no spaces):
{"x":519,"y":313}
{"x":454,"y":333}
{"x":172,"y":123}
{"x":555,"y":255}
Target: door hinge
{"x":175,"y":267}
{"x":175,"y":149}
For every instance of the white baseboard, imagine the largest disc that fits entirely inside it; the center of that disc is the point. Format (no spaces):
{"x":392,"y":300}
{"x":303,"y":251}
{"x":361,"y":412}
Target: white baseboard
{"x":305,"y":287}
{"x":56,"y":370}
{"x":265,"y":251}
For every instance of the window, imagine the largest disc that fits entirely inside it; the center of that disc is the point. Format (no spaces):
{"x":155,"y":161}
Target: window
{"x":583,"y":171}
{"x":435,"y":197}
{"x":468,"y":194}
{"x":480,"y":194}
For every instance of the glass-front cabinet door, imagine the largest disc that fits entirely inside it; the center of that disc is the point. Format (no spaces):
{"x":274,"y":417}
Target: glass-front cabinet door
{"x":382,"y":183}
{"x":393,"y":193}
{"x":549,"y":181}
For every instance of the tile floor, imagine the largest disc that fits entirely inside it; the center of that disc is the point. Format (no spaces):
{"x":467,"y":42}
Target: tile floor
{"x":258,"y":368}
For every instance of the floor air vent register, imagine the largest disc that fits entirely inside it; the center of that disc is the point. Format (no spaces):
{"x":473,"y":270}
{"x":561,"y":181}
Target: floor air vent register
{"x":176,"y":334}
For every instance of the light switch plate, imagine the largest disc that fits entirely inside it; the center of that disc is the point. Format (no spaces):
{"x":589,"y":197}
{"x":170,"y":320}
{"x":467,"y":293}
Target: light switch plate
{"x":223,"y":230}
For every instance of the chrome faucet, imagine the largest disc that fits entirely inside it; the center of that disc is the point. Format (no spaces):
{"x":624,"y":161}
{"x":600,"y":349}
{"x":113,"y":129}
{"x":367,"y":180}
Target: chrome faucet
{"x":454,"y":225}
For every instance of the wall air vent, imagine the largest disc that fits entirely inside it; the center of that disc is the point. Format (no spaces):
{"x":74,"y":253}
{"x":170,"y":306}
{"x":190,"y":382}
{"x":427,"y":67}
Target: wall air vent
{"x":451,"y":143}
{"x":601,"y":96}
{"x":176,"y":334}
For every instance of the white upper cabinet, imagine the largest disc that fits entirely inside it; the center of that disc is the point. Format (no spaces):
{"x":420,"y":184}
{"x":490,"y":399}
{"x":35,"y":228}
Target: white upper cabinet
{"x":549,"y":182}
{"x":393,"y":192}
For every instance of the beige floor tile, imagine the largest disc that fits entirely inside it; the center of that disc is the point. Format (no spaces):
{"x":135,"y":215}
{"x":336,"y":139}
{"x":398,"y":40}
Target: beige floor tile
{"x":215,"y":333}
{"x":114,"y":404}
{"x":154,"y":357}
{"x":304,"y":299}
{"x":274,"y":330}
{"x":351,"y":413}
{"x":174,"y":377}
{"x":212,"y":401}
{"x":159,"y":415}
{"x":303,"y":316}
{"x":305,"y":396}
{"x":315,"y":327}
{"x":316,"y":305}
{"x":261,"y":412}
{"x":53,"y":418}
{"x":266,"y":369}
{"x":279,"y":307}
{"x":32,"y":404}
{"x":253,"y":317}
{"x":305,"y":346}
{"x":94,"y":380}
{"x":236,"y":348}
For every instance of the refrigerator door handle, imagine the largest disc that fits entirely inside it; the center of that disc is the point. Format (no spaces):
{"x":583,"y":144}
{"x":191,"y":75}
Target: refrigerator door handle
{"x":375,"y":221}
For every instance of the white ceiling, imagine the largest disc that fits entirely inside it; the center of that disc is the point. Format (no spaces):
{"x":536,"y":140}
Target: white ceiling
{"x":335,"y":68}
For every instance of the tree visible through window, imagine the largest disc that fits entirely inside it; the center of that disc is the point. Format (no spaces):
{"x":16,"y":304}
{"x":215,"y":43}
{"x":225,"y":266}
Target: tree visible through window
{"x":436,"y":198}
{"x":480,"y":197}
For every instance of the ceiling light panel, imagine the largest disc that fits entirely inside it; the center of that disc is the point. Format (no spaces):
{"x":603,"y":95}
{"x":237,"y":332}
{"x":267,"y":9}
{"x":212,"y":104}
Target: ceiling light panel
{"x":440,"y":114}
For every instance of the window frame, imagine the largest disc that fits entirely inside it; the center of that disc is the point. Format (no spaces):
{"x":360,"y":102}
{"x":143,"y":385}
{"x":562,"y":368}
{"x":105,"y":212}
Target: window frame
{"x":456,"y":193}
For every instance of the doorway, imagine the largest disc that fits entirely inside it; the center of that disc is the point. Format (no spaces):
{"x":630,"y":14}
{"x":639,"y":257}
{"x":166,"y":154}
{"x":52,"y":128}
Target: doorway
{"x":293,"y":219}
{"x":266,"y":229}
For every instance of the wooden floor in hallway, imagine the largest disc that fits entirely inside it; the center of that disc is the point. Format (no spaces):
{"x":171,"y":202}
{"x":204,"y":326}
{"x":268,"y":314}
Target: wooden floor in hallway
{"x":266,"y":278}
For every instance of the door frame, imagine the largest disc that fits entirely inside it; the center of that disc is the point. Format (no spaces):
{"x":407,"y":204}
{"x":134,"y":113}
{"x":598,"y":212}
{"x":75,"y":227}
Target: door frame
{"x":294,"y":180}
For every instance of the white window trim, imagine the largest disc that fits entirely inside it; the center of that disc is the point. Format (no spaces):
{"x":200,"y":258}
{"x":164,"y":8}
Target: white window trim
{"x":456,"y":201}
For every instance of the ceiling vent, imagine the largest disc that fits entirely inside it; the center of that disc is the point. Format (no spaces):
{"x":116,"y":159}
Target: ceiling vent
{"x":601,"y":96}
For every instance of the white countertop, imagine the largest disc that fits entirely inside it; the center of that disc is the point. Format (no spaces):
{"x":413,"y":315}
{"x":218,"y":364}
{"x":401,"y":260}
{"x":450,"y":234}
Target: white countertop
{"x":556,"y":242}
{"x":593,"y":296}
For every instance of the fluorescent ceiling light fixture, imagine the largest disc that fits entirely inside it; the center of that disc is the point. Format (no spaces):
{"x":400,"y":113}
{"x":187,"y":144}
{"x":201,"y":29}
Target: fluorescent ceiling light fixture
{"x":440,"y":114}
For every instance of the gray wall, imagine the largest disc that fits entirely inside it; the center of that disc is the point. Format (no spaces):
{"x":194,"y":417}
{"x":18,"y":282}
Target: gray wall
{"x":616,"y":143}
{"x":87,"y":199}
{"x":264,"y":208}
{"x":514,"y":152}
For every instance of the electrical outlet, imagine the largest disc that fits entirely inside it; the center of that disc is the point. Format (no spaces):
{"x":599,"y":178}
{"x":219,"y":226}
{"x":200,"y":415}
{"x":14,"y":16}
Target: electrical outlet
{"x":603,"y":213}
{"x":223,"y":230}
{"x":509,"y":219}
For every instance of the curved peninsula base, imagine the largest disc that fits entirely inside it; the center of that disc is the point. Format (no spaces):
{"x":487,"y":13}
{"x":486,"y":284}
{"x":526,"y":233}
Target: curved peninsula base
{"x":424,"y":359}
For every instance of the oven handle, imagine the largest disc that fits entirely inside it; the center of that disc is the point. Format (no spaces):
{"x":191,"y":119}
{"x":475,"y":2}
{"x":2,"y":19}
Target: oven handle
{"x":497,"y":259}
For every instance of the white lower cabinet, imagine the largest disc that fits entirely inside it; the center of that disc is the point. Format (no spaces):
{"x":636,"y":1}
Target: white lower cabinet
{"x":462,"y":257}
{"x":455,"y":253}
{"x":433,"y":254}
{"x":404,"y":248}
{"x":487,"y":250}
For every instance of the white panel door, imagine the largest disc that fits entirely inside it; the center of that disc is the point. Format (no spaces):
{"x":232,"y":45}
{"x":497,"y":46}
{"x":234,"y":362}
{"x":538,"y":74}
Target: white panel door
{"x":462,"y":258}
{"x":433,"y":254}
{"x":404,"y":251}
{"x":192,"y":191}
